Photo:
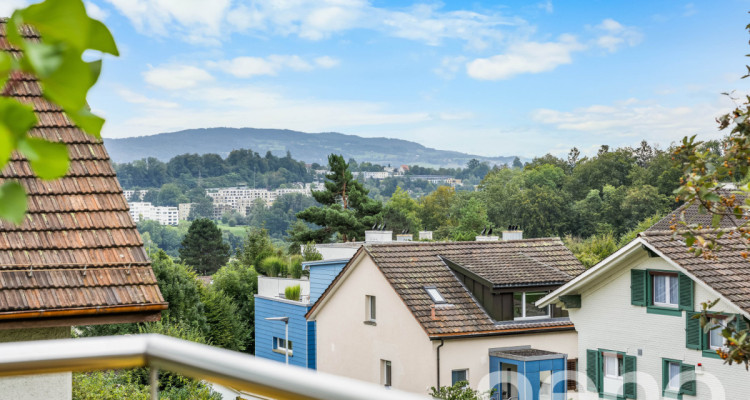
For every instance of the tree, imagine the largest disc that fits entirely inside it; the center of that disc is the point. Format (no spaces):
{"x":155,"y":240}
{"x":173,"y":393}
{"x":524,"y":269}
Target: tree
{"x":226,"y":330}
{"x":573,"y":156}
{"x":436,"y":208}
{"x":401,"y":212}
{"x":240,"y":283}
{"x":66,"y":32}
{"x":170,"y":195}
{"x":517,"y":163}
{"x":202,"y":208}
{"x":346,"y":209}
{"x":459,"y":391}
{"x":203,"y":247}
{"x":311,"y":253}
{"x":472,"y":218}
{"x":256,"y":248}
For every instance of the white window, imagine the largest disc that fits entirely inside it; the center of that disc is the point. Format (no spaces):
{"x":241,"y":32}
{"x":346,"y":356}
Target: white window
{"x":435,"y":294}
{"x":524,"y":307}
{"x":280,"y":345}
{"x":370,"y":308}
{"x":612,"y":365}
{"x":715,"y":339}
{"x":665,"y":290}
{"x":673,"y":371}
{"x":385,"y":373}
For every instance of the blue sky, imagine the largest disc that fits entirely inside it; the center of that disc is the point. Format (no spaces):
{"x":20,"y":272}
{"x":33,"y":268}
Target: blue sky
{"x":484,"y":77}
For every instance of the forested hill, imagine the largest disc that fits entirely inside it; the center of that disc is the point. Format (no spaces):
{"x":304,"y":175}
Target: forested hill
{"x":310,"y":147}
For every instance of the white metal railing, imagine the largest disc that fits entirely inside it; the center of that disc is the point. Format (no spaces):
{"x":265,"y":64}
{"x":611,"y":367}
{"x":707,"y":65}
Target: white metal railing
{"x":236,"y":370}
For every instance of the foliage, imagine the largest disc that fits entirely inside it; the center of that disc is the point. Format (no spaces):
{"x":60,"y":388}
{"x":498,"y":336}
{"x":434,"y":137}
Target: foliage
{"x":274,"y":266}
{"x":202,"y":208}
{"x":240,"y":283}
{"x":401,"y":213}
{"x":256,"y":248}
{"x":472,"y":217}
{"x":593,"y":249}
{"x":295,"y":267}
{"x":203,"y":247}
{"x":345,"y":207}
{"x":737,"y":349}
{"x":642,"y":226}
{"x":436,"y":208}
{"x":311,"y":253}
{"x":56,"y":60}
{"x":459,"y":391}
{"x":292,"y":292}
{"x":226,"y":330}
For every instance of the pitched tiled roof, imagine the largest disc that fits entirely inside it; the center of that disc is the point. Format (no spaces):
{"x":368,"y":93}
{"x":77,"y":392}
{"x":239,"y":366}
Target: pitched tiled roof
{"x":409,"y":267}
{"x":77,"y":252}
{"x":692,"y":215}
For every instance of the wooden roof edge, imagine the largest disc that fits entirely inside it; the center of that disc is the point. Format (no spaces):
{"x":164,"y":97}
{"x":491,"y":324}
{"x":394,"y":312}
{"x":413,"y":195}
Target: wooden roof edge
{"x":82,"y":311}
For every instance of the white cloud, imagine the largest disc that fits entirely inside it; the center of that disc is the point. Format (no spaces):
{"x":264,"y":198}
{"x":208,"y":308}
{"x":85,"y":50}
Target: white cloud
{"x":8,"y":6}
{"x":611,"y":35}
{"x":200,"y":21}
{"x":637,"y":119}
{"x":449,"y":66}
{"x":245,"y":67}
{"x":547,"y":6}
{"x":525,"y":57}
{"x":176,"y":76}
{"x":137,"y":98}
{"x":258,"y":107}
{"x":95,"y":11}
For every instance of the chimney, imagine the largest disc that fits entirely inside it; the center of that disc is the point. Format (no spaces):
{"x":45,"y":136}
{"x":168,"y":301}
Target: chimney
{"x":487,"y":236}
{"x":404,"y":237}
{"x":513,"y":232}
{"x":377,"y":236}
{"x":425,"y":235}
{"x":432,"y":312}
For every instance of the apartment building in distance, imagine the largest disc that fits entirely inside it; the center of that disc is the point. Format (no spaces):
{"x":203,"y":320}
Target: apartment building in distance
{"x":143,"y":210}
{"x":239,"y":198}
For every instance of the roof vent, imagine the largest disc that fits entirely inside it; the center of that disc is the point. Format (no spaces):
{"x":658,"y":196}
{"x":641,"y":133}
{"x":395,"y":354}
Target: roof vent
{"x":486,"y":236}
{"x":378,"y":236}
{"x":425,"y":235}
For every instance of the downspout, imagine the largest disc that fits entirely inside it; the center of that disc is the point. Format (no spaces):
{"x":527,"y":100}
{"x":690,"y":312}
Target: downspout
{"x":442,"y":342}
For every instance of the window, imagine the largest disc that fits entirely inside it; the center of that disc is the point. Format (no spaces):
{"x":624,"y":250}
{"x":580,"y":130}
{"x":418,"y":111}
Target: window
{"x":666,"y":290}
{"x":612,"y":365}
{"x":459,"y":375}
{"x":715,"y":340}
{"x":524,"y":307}
{"x":385,"y":373}
{"x":677,"y":379}
{"x":434,"y":294}
{"x":280,"y":345}
{"x":369,"y":308}
{"x":673,"y":373}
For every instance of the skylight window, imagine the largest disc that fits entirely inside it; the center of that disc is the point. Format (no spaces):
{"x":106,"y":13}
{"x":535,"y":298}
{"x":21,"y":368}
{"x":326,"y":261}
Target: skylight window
{"x":435,"y":294}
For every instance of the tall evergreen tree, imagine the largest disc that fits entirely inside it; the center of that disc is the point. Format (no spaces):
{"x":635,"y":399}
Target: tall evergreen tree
{"x":203,"y":247}
{"x":346,"y":209}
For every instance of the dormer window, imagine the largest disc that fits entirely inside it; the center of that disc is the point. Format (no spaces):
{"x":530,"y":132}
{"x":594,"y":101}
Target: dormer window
{"x":435,"y":294}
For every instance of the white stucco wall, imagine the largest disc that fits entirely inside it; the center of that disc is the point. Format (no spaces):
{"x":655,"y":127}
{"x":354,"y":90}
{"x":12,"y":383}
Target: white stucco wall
{"x":348,"y":347}
{"x":607,"y":320}
{"x":35,"y":387}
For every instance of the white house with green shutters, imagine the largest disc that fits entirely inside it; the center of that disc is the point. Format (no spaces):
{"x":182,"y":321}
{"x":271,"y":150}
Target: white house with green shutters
{"x":633,"y":314}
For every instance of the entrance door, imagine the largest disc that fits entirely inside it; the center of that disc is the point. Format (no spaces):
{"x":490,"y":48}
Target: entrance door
{"x":508,"y":381}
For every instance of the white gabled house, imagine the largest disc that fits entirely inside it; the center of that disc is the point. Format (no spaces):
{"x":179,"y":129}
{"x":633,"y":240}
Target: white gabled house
{"x":633,"y":314}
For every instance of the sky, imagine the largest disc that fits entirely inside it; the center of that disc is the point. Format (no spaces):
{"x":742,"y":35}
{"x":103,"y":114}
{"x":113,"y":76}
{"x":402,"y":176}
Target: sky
{"x":492,"y":78}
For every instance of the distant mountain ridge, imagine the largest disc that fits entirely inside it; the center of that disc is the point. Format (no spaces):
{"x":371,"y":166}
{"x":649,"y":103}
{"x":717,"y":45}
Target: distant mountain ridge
{"x":310,"y":147}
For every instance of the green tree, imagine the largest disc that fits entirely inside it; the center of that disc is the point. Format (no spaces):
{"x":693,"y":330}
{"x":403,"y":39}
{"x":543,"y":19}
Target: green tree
{"x":459,"y":391}
{"x":203,"y":247}
{"x":436,"y":208}
{"x":256,"y":248}
{"x":472,"y":218}
{"x":240,"y":283}
{"x":311,"y":253}
{"x":401,"y":212}
{"x":593,"y":249}
{"x":203,"y":207}
{"x":170,"y":195}
{"x":180,"y":287}
{"x":346,"y":209}
{"x":517,"y":163}
{"x":226,"y":330}
{"x":56,"y":60}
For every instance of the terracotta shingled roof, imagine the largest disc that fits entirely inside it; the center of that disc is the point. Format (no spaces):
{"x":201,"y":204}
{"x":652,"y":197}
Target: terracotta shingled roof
{"x":77,"y":253}
{"x":410,"y":267}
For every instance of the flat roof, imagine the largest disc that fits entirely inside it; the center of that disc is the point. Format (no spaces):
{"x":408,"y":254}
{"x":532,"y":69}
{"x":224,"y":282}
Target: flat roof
{"x":524,"y":353}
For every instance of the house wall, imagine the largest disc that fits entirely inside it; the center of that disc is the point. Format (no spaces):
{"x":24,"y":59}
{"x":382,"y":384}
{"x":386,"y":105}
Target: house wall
{"x":301,"y":332}
{"x":349,"y":347}
{"x":35,"y":387}
{"x":321,"y":276}
{"x":607,"y":320}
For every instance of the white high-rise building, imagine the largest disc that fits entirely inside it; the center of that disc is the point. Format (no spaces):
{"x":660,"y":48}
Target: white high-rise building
{"x":141,"y":211}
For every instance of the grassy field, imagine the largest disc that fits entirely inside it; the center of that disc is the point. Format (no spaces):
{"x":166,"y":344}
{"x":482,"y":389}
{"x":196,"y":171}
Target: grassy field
{"x":236,"y":230}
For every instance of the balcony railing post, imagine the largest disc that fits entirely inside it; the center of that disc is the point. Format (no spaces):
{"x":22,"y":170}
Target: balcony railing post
{"x":153,"y":382}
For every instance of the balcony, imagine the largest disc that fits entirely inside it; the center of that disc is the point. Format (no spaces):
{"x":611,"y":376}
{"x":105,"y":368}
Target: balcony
{"x":239,"y":371}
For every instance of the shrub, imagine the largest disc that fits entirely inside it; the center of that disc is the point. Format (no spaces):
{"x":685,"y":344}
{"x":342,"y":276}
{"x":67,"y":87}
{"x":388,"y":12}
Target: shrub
{"x":292,"y":292}
{"x":295,"y":269}
{"x":311,"y":253}
{"x":274,"y":266}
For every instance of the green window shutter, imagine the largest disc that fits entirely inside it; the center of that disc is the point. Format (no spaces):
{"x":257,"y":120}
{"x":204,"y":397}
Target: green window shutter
{"x":693,"y":332}
{"x":638,"y":287}
{"x":686,"y":292}
{"x":687,"y":382}
{"x":629,"y":389}
{"x":592,"y":370}
{"x":741,"y":323}
{"x":664,"y":375}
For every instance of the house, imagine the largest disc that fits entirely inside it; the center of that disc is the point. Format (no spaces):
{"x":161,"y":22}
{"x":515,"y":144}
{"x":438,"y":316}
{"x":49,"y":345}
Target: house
{"x":633,"y":314}
{"x":412,"y":315}
{"x":145,"y":211}
{"x":77,"y":258}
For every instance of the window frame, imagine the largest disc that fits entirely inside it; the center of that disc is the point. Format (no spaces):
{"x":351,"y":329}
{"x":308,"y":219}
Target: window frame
{"x":620,"y":359}
{"x":466,"y":375}
{"x":280,"y":346}
{"x":370,"y":309}
{"x":722,"y":319}
{"x":435,"y":294}
{"x":667,"y":289}
{"x":523,"y":308}
{"x":669,"y":391}
{"x":386,"y":370}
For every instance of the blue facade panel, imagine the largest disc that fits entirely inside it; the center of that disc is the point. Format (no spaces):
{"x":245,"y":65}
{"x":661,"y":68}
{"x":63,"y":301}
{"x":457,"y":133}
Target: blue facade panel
{"x":303,"y":351}
{"x":321,"y":276}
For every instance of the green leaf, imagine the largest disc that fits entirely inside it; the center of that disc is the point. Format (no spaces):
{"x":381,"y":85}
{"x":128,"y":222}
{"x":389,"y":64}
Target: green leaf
{"x":7,"y":144}
{"x":43,"y":59}
{"x":95,"y":67}
{"x":48,"y":159}
{"x":100,"y":38}
{"x":69,"y":83}
{"x":60,"y":21}
{"x":16,"y":117}
{"x":12,"y":202}
{"x":690,"y":240}
{"x":716,"y":220}
{"x":6,"y":64}
{"x":90,"y":123}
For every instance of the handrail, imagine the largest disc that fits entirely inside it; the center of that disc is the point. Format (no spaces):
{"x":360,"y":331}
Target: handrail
{"x":229,"y":368}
